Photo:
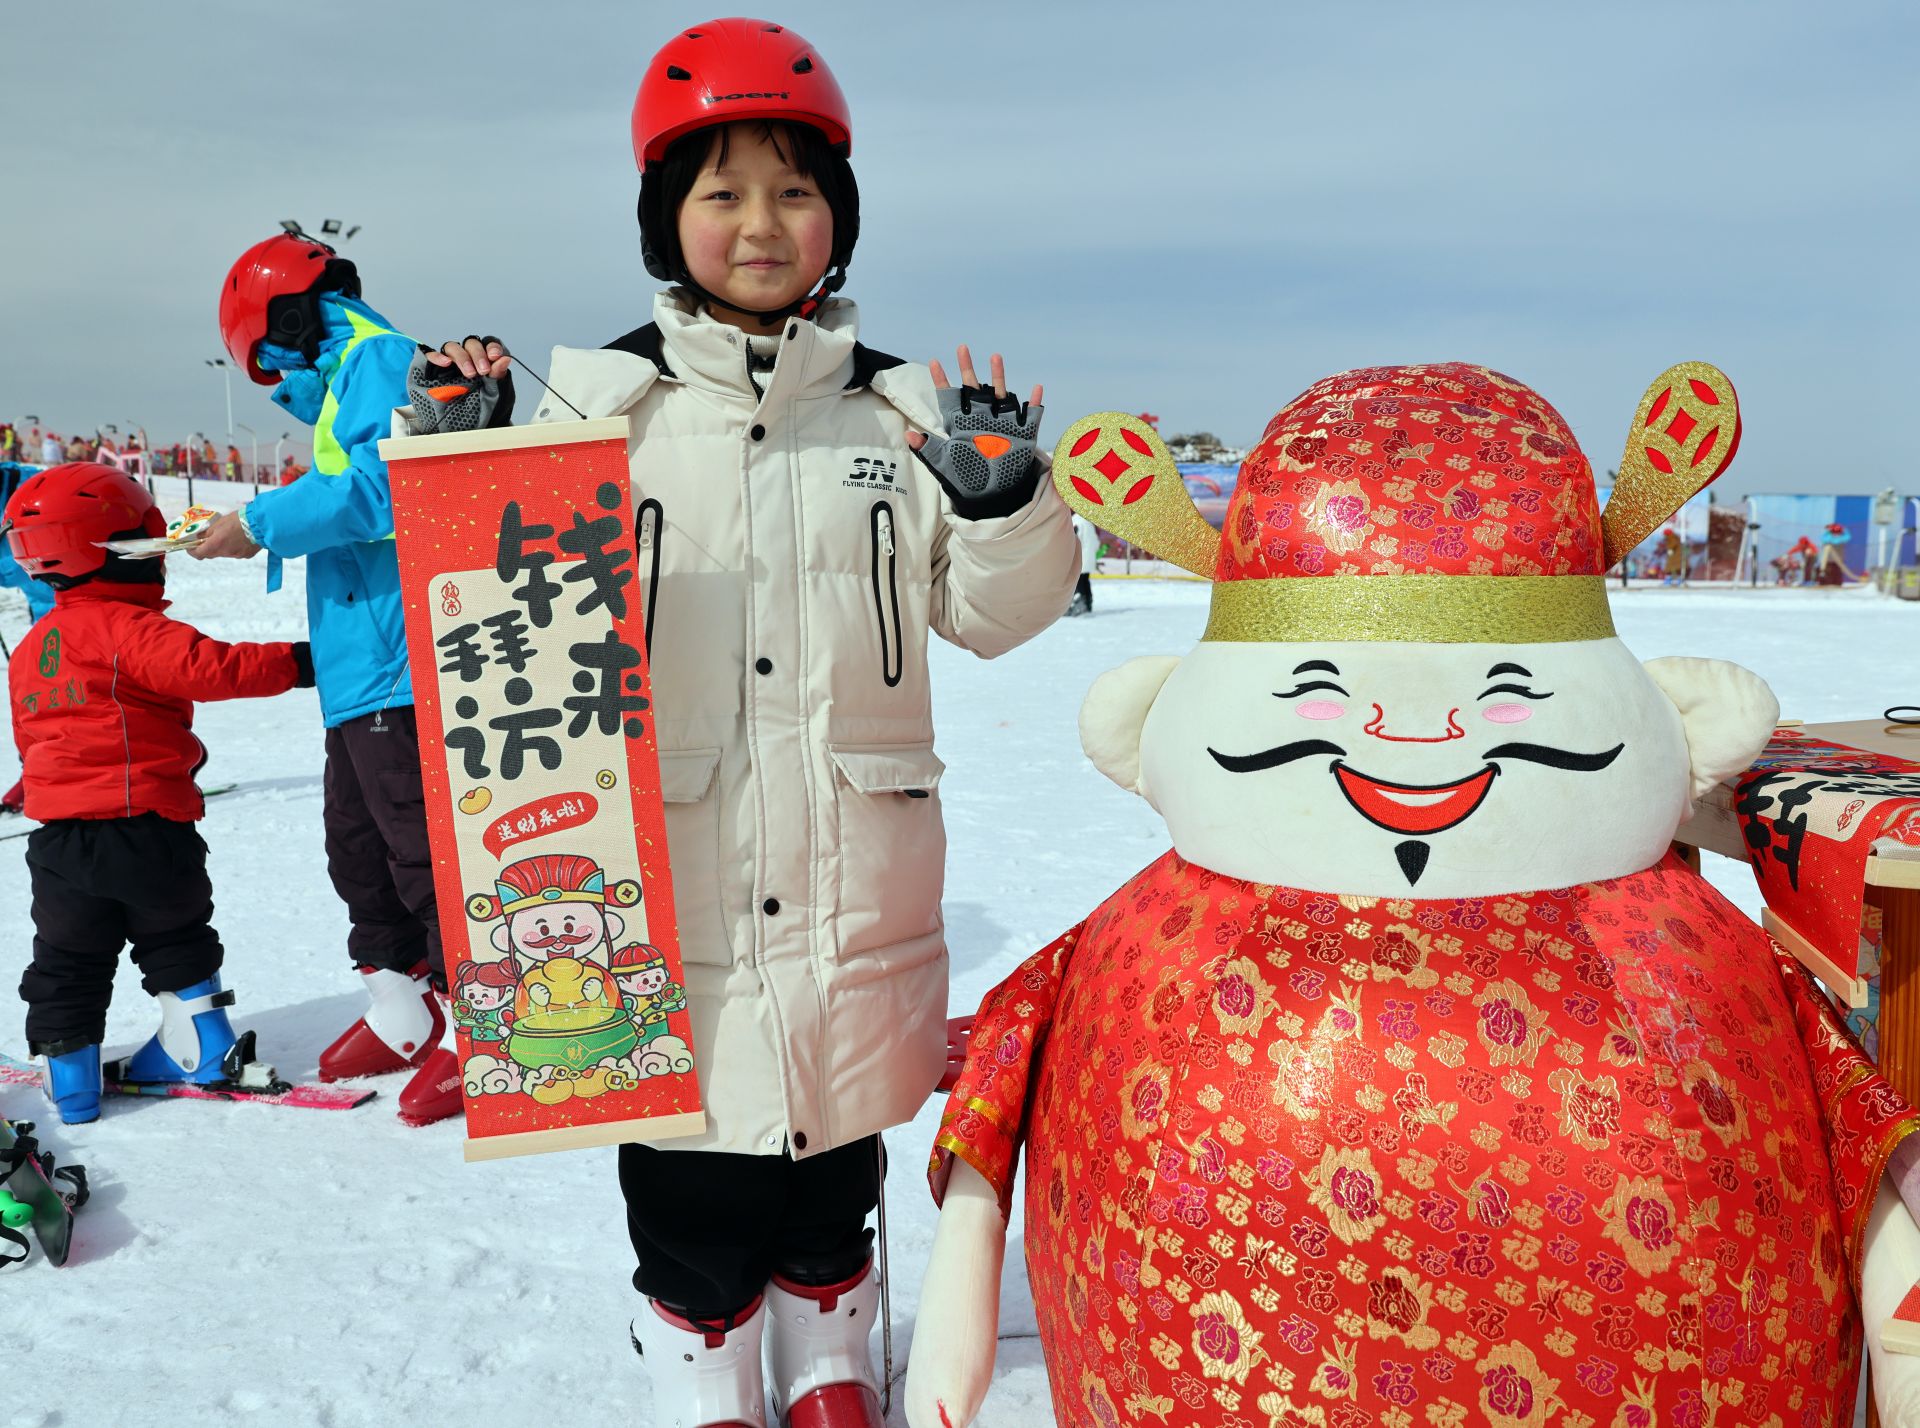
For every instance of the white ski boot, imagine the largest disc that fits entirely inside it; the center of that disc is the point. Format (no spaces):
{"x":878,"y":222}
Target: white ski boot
{"x":401,"y":1028}
{"x":703,"y":1377}
{"x":817,"y":1344}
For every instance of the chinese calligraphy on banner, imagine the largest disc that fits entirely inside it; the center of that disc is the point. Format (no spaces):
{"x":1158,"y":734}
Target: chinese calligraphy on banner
{"x":525,"y":636}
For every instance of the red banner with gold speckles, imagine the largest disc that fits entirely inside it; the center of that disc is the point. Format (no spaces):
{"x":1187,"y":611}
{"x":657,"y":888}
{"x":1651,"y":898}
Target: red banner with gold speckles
{"x":526,"y":634}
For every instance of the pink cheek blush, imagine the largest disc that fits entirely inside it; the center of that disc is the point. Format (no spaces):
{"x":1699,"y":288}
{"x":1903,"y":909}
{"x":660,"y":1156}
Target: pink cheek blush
{"x":1320,"y":709}
{"x":1506,"y":713}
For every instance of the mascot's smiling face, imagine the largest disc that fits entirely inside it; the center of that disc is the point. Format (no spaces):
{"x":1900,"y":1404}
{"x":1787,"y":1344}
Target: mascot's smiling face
{"x":1431,"y":770}
{"x":1423,"y":770}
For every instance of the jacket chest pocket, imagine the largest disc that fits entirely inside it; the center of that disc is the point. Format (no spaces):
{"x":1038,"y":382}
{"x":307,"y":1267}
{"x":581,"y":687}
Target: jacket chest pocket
{"x":689,"y":787}
{"x":885,"y":550}
{"x":892,"y":847}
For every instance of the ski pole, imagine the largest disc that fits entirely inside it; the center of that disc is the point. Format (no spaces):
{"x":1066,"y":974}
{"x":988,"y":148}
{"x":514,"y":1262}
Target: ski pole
{"x":886,"y":1284}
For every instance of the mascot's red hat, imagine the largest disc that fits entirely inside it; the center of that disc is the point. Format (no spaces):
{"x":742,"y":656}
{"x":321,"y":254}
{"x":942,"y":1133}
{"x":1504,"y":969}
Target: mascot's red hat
{"x":1440,"y":502}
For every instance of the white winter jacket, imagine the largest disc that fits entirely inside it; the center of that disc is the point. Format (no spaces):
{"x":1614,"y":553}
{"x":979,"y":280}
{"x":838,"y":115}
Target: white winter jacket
{"x":794,"y":555}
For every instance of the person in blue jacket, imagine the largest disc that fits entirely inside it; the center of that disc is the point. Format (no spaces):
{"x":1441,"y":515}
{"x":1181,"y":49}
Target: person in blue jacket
{"x":292,"y":316}
{"x":39,"y":594}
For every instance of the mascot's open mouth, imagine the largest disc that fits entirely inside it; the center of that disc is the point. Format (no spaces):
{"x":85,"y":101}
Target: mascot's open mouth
{"x":1413,"y":808}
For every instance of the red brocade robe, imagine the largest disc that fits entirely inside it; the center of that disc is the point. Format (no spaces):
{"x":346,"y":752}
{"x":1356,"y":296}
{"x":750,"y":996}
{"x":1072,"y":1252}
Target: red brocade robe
{"x":1597,"y":1156}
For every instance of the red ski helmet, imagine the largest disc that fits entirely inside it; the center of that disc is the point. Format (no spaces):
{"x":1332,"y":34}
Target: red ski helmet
{"x":285,"y":266}
{"x":729,"y":70}
{"x":57,"y":519}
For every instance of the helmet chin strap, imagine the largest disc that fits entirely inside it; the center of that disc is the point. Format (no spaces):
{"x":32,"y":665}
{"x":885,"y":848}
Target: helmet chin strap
{"x":831,"y":283}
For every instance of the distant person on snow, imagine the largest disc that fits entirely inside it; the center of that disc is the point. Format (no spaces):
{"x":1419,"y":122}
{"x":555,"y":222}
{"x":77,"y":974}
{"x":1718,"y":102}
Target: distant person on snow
{"x":1833,"y":556}
{"x":102,"y":694}
{"x":292,"y":318}
{"x":1673,"y":547}
{"x":52,"y":450}
{"x":1089,"y":539}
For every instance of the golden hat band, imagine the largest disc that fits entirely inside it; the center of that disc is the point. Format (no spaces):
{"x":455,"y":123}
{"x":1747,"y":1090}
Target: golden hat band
{"x":1420,"y":609}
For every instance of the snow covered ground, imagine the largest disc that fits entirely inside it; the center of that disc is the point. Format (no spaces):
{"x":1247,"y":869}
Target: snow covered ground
{"x":256,"y":1265}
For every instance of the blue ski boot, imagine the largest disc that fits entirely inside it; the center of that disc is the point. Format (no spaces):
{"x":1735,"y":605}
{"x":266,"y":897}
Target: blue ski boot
{"x":195,"y":1040}
{"x":72,"y":1081}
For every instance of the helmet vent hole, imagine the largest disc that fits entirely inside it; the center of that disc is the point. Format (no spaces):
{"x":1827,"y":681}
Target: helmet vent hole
{"x":675,"y":72}
{"x":693,"y":34}
{"x":803,"y":65}
{"x":772,"y":29}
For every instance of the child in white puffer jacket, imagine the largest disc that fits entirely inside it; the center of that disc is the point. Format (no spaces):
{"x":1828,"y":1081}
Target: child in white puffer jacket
{"x":808,"y":511}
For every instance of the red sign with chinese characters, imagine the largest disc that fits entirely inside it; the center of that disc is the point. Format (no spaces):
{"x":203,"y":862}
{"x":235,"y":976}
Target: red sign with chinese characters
{"x":525,"y":633}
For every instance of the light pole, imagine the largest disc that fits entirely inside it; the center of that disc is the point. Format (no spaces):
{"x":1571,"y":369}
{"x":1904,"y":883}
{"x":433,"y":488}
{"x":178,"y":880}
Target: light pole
{"x":193,"y":455}
{"x":277,"y":468}
{"x":227,"y":372}
{"x":256,"y":454}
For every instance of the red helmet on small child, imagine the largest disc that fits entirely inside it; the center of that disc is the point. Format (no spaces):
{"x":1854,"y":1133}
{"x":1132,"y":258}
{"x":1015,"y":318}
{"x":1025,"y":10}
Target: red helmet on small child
{"x":290,"y":266}
{"x":57,"y":519}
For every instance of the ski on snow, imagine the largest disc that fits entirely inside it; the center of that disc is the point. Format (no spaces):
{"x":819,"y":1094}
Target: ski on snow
{"x":257,"y":1082}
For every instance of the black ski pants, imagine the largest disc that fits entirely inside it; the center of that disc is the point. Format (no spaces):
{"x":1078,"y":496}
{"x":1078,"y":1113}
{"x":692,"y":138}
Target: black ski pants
{"x":711,"y":1228}
{"x":377,"y":852}
{"x":98,"y":884}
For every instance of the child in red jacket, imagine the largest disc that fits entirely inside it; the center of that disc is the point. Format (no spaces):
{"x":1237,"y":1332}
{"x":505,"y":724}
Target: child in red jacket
{"x":102,"y":693}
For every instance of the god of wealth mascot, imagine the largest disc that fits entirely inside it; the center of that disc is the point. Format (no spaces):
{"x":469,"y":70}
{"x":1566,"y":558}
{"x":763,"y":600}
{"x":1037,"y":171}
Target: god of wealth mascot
{"x":1419,"y":1083}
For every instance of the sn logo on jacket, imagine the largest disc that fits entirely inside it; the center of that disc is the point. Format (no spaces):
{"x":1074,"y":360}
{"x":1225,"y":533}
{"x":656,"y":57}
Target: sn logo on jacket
{"x":874,"y":473}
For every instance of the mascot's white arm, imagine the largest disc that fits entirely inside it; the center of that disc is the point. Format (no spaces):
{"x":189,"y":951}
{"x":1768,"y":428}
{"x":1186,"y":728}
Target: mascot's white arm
{"x":1890,"y":1268}
{"x":959,"y":1322}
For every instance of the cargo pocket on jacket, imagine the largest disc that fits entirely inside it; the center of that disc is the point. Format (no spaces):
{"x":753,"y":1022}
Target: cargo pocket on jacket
{"x":893,"y":850}
{"x":689,"y":789}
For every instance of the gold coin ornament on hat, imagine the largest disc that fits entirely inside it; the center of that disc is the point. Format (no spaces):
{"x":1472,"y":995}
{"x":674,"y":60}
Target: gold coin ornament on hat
{"x":1116,"y":471}
{"x":1683,"y":438}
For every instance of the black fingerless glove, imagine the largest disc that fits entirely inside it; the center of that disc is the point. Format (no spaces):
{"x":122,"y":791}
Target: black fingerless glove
{"x":445,"y":400}
{"x":987,"y":459}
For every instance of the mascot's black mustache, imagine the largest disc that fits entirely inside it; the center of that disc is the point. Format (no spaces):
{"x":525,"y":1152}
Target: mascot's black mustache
{"x":1555,"y":758}
{"x":1305,"y":748}
{"x":1272,"y":758}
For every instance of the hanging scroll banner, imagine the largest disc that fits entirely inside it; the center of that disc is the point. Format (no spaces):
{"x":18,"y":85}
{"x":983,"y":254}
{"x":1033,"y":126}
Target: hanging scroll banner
{"x":525,"y":632}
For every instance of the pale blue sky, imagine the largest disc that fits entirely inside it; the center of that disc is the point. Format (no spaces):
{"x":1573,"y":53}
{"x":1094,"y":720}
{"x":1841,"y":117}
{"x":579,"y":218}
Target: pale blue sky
{"x":1192,"y":208}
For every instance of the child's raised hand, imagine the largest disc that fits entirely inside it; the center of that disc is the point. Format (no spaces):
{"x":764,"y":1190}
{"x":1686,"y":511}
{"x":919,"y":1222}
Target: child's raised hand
{"x":986,"y":457}
{"x":996,"y":368}
{"x":475,"y":357}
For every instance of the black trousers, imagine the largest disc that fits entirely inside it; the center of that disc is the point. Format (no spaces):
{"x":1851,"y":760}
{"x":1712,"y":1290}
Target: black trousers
{"x":1083,"y":589}
{"x":377,"y":852}
{"x":98,"y":884}
{"x":710,"y":1228}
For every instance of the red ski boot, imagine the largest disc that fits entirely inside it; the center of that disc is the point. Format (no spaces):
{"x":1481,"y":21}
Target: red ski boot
{"x":822,"y":1366}
{"x":401,"y":1027}
{"x":433,"y":1093}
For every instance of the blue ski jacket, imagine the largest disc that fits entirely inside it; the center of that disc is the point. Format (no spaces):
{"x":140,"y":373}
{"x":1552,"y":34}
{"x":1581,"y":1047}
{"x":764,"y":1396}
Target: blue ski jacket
{"x":339,"y":515}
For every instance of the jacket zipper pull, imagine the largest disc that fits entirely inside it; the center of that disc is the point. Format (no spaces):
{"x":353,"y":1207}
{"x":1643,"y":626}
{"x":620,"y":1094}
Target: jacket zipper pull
{"x":886,"y":533}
